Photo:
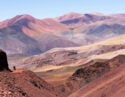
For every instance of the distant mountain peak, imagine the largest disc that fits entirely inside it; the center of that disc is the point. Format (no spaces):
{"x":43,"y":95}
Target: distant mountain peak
{"x":16,"y":19}
{"x":71,"y":15}
{"x":74,"y":15}
{"x":24,"y":16}
{"x":96,"y":13}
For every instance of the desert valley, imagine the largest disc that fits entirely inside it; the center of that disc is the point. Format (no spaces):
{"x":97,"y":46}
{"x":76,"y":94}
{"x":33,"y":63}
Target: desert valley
{"x":74,"y":55}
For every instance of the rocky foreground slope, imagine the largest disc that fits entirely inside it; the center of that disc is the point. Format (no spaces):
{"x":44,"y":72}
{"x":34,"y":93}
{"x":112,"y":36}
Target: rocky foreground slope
{"x":22,"y":83}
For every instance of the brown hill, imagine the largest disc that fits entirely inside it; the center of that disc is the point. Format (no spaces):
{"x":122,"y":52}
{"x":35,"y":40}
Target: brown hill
{"x":90,"y":73}
{"x":109,"y":85}
{"x":24,"y":84}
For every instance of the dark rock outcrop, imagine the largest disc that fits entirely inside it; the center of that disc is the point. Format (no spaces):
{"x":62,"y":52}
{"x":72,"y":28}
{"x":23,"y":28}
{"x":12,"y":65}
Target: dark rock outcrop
{"x":3,"y":61}
{"x":92,"y":72}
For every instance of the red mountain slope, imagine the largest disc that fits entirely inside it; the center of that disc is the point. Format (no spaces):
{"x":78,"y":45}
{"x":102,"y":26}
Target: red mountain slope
{"x":91,"y":74}
{"x":24,"y":84}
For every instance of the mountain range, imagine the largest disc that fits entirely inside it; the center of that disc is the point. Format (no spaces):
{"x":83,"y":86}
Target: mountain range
{"x":28,"y":35}
{"x":74,"y":55}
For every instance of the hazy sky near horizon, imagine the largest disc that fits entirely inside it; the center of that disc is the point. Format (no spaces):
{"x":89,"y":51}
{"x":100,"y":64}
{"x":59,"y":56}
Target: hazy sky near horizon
{"x":54,"y":8}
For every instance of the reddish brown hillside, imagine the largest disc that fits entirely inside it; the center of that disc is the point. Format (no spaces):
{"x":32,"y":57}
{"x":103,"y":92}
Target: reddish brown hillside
{"x":32,"y":26}
{"x":111,"y":84}
{"x":24,"y":84}
{"x":90,"y":73}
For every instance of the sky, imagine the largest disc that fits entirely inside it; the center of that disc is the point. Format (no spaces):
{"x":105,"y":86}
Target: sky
{"x":54,"y":8}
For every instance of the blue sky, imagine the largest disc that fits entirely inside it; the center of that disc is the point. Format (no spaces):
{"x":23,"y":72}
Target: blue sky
{"x":54,"y":8}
